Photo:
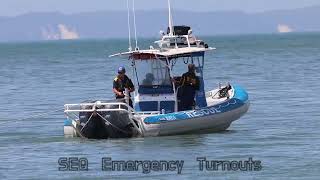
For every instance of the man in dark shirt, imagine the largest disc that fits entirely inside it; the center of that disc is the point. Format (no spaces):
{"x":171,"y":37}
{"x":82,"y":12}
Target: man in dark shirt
{"x":190,"y":83}
{"x":148,"y":81}
{"x":122,"y":82}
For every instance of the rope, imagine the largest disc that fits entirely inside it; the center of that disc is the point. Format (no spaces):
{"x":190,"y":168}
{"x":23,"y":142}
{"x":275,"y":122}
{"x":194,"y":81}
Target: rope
{"x":41,"y":115}
{"x":31,"y":117}
{"x":79,"y":133}
{"x":113,"y":125}
{"x":86,"y":123}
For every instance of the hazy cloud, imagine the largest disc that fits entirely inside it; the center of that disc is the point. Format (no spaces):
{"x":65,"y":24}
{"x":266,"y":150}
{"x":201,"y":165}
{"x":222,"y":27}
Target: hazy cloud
{"x":66,"y":33}
{"x":283,"y":28}
{"x":61,"y":31}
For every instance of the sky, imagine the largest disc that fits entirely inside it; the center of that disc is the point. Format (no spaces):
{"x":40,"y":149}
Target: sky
{"x":17,"y":7}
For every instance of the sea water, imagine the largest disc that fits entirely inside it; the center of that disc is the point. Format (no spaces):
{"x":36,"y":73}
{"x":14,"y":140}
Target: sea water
{"x":280,"y":130}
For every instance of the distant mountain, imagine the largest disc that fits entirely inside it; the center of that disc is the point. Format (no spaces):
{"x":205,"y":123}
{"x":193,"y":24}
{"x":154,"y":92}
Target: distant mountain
{"x":47,"y":26}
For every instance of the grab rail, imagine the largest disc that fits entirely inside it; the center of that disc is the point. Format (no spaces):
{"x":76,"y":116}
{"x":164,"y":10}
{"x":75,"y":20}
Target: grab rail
{"x":116,"y":106}
{"x":95,"y":107}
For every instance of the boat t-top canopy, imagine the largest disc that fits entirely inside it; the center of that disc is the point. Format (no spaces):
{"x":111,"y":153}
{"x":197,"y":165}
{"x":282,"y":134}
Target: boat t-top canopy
{"x":164,"y":53}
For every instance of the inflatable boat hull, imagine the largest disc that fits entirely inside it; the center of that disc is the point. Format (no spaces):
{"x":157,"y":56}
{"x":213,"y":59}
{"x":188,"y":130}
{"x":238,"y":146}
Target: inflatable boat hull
{"x":209,"y":119}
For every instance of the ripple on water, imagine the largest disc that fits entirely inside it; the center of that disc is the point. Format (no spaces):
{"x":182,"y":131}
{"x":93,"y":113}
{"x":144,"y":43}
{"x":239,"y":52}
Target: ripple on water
{"x":280,"y":129}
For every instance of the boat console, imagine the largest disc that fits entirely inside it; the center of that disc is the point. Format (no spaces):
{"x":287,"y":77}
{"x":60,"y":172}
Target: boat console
{"x":155,"y":88}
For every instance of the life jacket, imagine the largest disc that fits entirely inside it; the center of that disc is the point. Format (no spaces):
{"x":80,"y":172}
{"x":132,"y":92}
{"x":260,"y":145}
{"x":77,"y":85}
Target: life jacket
{"x":120,"y":85}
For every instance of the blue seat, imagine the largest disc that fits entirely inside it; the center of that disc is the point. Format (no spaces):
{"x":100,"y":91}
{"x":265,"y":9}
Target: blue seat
{"x":146,"y":106}
{"x":168,"y":106}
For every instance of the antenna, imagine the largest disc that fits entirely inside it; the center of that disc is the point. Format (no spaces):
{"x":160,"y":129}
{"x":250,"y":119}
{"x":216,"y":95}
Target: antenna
{"x":135,"y":26}
{"x":170,"y":19}
{"x":129,"y":26}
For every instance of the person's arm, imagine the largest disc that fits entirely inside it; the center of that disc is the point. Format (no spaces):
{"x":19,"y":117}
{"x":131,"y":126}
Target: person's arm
{"x":117,"y":92}
{"x":130,"y":85}
{"x":115,"y":89}
{"x":197,"y":85}
{"x":131,"y":89}
{"x":182,"y":80}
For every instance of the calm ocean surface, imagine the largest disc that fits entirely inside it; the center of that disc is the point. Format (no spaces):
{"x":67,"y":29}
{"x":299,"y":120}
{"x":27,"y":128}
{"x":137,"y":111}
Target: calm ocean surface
{"x":281,"y":129}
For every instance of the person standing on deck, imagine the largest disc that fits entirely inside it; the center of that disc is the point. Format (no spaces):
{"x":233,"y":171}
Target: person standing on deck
{"x":122,"y":82}
{"x":190,"y":83}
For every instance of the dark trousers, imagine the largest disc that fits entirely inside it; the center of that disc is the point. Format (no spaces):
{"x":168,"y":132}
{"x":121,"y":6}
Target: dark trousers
{"x":186,"y":96}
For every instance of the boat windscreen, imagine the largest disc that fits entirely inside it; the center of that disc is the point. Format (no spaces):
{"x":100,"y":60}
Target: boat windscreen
{"x":152,"y":73}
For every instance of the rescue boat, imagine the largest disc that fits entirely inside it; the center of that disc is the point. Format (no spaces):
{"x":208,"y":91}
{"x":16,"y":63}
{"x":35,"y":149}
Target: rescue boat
{"x":155,"y":110}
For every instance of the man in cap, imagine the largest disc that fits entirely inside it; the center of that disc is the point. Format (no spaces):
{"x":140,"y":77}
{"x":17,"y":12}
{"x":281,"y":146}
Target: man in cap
{"x":148,"y":81}
{"x":122,"y":82}
{"x":189,"y":85}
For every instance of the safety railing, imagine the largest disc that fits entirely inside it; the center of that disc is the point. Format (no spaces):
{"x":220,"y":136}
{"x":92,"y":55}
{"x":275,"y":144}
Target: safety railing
{"x":105,"y":107}
{"x":97,"y":106}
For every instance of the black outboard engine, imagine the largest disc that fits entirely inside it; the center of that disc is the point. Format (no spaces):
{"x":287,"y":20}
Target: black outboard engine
{"x":105,"y":124}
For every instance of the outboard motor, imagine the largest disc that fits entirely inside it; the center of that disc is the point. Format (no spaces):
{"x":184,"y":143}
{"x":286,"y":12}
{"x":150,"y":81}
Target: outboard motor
{"x":105,"y":124}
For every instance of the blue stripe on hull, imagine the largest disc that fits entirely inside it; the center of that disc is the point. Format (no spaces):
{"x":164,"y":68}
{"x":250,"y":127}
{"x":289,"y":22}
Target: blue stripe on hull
{"x":239,"y":99}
